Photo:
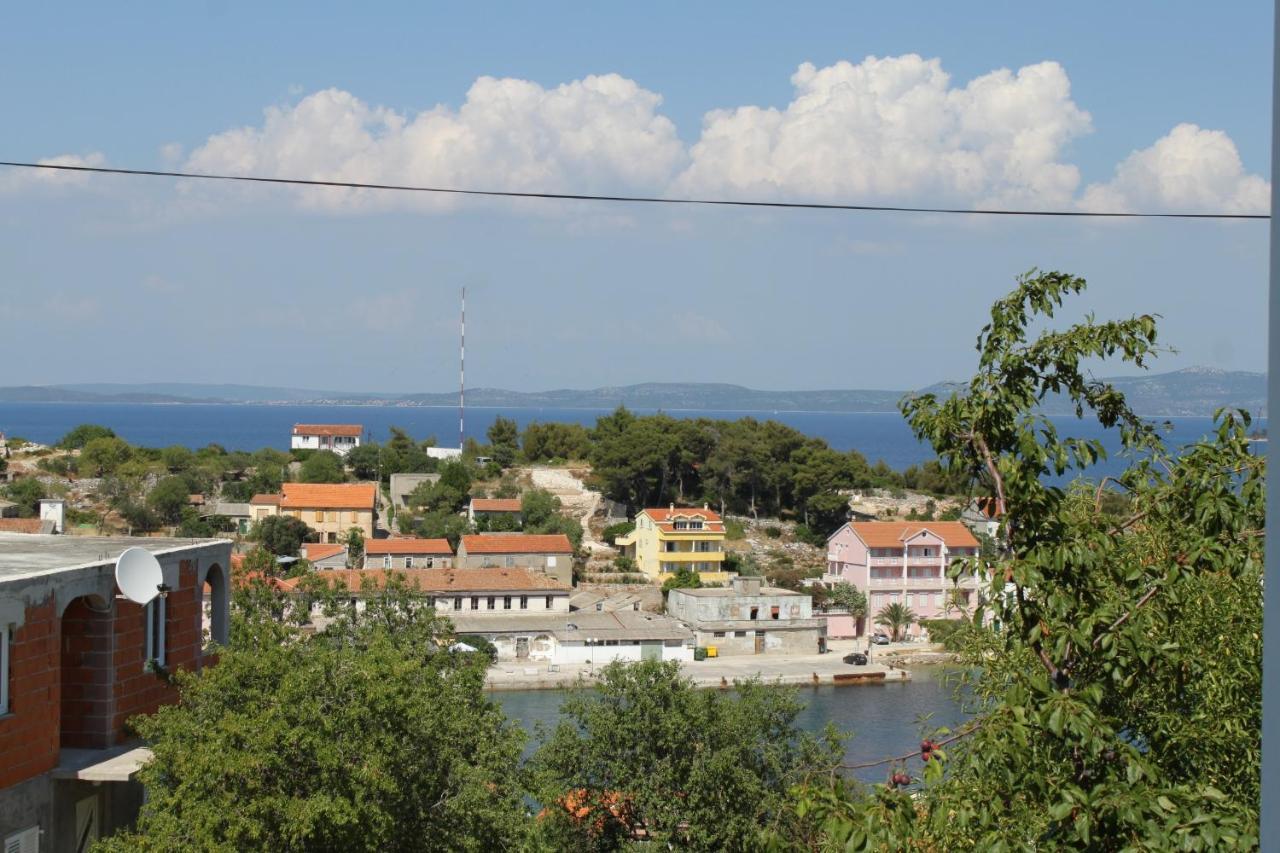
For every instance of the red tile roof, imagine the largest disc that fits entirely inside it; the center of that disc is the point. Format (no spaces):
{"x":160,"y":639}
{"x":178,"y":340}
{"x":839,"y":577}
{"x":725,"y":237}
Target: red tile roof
{"x":408,"y":545}
{"x":328,"y":496}
{"x":446,"y":580}
{"x":892,"y":534}
{"x":328,"y":429}
{"x":665,"y":518}
{"x":321,"y":552}
{"x":265,"y":500}
{"x":517,"y":543}
{"x":20,"y":525}
{"x":495,"y":504}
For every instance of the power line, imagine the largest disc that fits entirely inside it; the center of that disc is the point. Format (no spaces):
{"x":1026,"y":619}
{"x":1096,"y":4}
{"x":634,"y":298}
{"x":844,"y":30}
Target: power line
{"x":632,"y":199}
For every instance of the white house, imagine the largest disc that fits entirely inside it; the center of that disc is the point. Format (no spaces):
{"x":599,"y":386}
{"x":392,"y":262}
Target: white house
{"x":340,"y":438}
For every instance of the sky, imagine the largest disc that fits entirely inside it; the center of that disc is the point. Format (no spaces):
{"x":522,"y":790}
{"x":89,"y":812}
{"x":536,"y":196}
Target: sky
{"x":1141,"y":106}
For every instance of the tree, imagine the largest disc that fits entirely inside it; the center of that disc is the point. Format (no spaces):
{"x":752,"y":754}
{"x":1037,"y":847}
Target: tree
{"x":542,"y":442}
{"x":27,"y":494}
{"x":443,"y":525}
{"x":848,"y":597}
{"x":370,"y":735}
{"x":364,"y":461}
{"x":694,"y":769}
{"x":83,"y":434}
{"x":354,"y":540}
{"x":103,"y":456}
{"x":282,"y":535}
{"x":1117,"y":709}
{"x":323,"y":466}
{"x":504,"y":441}
{"x":177,"y":458}
{"x":168,"y":499}
{"x":537,"y":507}
{"x":896,"y":616}
{"x":682,"y":578}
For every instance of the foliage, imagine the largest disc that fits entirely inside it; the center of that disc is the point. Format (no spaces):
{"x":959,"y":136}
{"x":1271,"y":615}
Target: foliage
{"x":613,"y":531}
{"x":443,"y":525}
{"x":897,"y":617}
{"x":942,"y":630}
{"x":848,"y":597}
{"x":104,"y":455}
{"x":191,"y":525}
{"x":363,"y":460}
{"x":449,"y":494}
{"x":267,"y":750}
{"x":82,"y":435}
{"x":504,"y":441}
{"x":624,"y":564}
{"x":282,"y":535}
{"x":168,"y":499}
{"x":1119,"y":701}
{"x":734,"y":530}
{"x":696,"y":769}
{"x":27,"y":494}
{"x":540,"y":513}
{"x":543,"y":442}
{"x":323,"y":466}
{"x":682,"y":578}
{"x":354,"y":540}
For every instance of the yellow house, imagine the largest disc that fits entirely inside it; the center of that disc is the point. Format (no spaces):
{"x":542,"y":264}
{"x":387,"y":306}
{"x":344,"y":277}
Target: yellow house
{"x":329,"y":509}
{"x":666,"y":539}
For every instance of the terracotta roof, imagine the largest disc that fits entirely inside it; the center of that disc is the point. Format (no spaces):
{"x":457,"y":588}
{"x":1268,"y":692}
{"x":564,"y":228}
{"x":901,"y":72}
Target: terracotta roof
{"x":321,"y":552}
{"x":21,"y":525}
{"x":265,"y":500}
{"x":328,"y":495}
{"x":495,"y":504}
{"x":665,"y":518}
{"x":328,"y":429}
{"x":407,"y":545}
{"x":517,"y":543}
{"x":447,"y":580}
{"x":892,"y":534}
{"x":195,"y":500}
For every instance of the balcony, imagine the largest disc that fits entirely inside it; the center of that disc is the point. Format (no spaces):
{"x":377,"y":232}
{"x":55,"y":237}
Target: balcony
{"x":886,"y":561}
{"x":691,"y":556}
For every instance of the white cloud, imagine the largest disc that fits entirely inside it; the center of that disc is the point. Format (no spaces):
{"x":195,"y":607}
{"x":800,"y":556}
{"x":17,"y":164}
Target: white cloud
{"x":599,"y":134}
{"x":896,"y":129}
{"x":1189,"y":170}
{"x":14,"y":178}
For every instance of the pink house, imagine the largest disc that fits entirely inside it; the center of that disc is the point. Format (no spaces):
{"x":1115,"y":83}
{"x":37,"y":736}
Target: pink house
{"x":906,"y":562}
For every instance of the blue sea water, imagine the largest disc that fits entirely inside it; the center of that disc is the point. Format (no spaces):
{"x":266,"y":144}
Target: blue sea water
{"x":250,"y":427}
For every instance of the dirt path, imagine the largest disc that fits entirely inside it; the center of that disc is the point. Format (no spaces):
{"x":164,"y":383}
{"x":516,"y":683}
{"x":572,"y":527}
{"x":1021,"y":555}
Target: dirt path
{"x":575,"y":497}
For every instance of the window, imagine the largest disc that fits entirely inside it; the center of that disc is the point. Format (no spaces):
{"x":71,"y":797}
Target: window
{"x":5,"y":631}
{"x":319,"y":515}
{"x":333,"y":516}
{"x":739,"y":633}
{"x":457,"y":603}
{"x":475,"y":602}
{"x":774,"y":611}
{"x":408,"y":562}
{"x":509,"y":562}
{"x":599,"y":606}
{"x":506,"y":602}
{"x":755,"y":613}
{"x":717,"y":633}
{"x":550,"y":602}
{"x":386,"y":561}
{"x":154,"y":615}
{"x":491,"y":600}
{"x":524,"y":602}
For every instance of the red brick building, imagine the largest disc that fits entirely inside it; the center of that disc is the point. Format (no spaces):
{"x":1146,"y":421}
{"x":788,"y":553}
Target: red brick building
{"x":76,"y":662}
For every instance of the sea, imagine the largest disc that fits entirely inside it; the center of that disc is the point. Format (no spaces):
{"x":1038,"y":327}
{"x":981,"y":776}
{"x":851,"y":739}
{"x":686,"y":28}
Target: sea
{"x":876,"y":435}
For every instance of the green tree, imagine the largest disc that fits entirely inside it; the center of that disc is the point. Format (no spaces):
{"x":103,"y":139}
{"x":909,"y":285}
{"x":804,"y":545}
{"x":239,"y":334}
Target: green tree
{"x":537,"y":507}
{"x":323,"y":466}
{"x":83,"y":434}
{"x":682,"y":578}
{"x":103,"y":456}
{"x":695,"y":769}
{"x":848,"y":597}
{"x":177,"y":458}
{"x":282,"y":535}
{"x":443,"y":525}
{"x":543,"y":442}
{"x":364,"y":461}
{"x":1120,"y":698}
{"x":168,"y":499}
{"x":354,"y":540}
{"x":504,"y":441}
{"x":897,"y":617}
{"x":27,"y":494}
{"x":370,"y":735}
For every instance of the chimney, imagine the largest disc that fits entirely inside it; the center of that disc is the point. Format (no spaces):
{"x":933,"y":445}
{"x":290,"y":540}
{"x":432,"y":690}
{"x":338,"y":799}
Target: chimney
{"x":672,"y":507}
{"x":54,"y":509}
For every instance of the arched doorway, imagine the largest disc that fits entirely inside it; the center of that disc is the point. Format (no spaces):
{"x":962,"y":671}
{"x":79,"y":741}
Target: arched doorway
{"x":215,"y":618}
{"x":87,"y":673}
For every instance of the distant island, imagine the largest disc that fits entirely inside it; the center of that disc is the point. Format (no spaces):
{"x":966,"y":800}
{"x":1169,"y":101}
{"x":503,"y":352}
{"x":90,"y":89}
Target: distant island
{"x":1194,"y":391}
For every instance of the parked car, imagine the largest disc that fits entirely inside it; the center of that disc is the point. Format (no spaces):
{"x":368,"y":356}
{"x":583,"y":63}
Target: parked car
{"x":856,"y":658}
{"x":881,"y":639}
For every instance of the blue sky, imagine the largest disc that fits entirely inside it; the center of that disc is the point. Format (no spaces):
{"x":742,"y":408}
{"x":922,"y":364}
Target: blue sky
{"x":131,"y":280}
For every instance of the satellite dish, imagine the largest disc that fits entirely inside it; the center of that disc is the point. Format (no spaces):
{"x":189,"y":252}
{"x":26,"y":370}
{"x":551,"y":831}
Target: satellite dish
{"x":139,"y":576}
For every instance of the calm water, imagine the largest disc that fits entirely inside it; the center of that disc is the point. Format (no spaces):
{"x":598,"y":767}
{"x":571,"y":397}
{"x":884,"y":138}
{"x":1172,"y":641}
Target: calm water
{"x":883,"y":719}
{"x":250,"y":427}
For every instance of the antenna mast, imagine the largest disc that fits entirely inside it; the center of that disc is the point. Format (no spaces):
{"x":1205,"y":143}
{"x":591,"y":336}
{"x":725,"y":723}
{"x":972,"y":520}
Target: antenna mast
{"x":462,"y":373}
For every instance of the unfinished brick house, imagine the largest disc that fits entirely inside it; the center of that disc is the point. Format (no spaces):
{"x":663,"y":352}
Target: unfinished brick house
{"x":76,"y":662}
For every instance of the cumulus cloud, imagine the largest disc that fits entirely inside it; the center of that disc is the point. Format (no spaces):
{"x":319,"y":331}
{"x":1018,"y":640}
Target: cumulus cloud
{"x":896,"y":128}
{"x":602,"y":133}
{"x":1189,"y":170}
{"x":19,"y":179}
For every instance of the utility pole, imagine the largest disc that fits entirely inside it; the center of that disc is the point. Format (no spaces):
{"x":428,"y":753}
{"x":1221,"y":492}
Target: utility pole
{"x":462,"y":373}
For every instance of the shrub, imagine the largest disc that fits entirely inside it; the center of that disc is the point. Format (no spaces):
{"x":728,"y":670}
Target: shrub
{"x":941,"y":630}
{"x":613,"y":531}
{"x":734,"y":530}
{"x":773,"y":531}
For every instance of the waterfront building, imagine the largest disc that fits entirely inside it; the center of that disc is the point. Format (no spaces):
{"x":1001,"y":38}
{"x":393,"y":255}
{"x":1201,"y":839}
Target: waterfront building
{"x":330,"y":509}
{"x":749,"y":618}
{"x":904,"y":562}
{"x":76,"y":662}
{"x":339,"y":438}
{"x":581,"y":637}
{"x":549,"y":553}
{"x":666,"y":539}
{"x":408,"y":553}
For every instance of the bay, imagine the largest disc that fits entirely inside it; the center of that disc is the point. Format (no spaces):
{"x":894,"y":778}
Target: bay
{"x":877,"y":435}
{"x":881,"y":720}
